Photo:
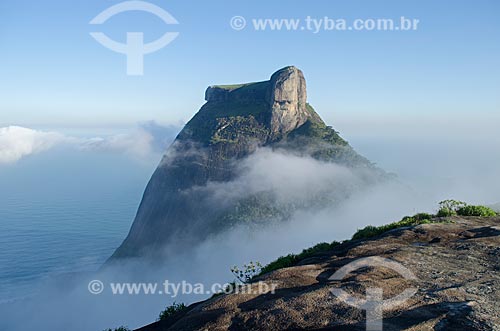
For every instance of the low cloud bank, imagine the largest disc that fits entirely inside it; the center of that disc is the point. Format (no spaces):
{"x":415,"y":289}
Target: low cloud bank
{"x":436,"y":170}
{"x":147,"y":139}
{"x":65,"y":303}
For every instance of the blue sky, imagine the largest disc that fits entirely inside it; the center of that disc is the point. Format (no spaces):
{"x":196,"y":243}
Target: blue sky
{"x":55,"y":74}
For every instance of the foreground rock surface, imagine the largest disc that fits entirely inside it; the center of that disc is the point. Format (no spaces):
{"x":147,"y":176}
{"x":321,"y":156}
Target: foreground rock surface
{"x":457,"y":266}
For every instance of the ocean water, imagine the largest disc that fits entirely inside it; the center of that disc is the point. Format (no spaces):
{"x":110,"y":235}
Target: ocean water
{"x":64,"y":211}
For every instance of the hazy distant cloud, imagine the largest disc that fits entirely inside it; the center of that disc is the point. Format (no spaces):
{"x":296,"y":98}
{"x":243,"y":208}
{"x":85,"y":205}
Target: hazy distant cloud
{"x":162,"y":135}
{"x":137,"y":143}
{"x":17,"y":142}
{"x":148,"y":139}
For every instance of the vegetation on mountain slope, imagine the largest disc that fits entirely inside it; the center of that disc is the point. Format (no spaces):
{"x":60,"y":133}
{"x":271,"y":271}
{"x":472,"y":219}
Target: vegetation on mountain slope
{"x":371,"y":231}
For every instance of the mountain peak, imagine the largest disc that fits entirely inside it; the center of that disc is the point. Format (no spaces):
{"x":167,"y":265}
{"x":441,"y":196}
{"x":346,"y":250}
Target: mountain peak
{"x":233,"y":124}
{"x":284,"y":93}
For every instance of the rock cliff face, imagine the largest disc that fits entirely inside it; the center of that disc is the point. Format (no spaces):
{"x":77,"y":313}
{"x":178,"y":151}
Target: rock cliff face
{"x":456,"y":266}
{"x":235,"y":121}
{"x":287,"y":97}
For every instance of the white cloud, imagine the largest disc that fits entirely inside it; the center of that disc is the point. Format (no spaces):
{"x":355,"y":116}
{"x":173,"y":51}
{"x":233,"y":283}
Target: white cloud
{"x":146,"y":140}
{"x":17,"y":142}
{"x":289,"y":177}
{"x":138,"y":143}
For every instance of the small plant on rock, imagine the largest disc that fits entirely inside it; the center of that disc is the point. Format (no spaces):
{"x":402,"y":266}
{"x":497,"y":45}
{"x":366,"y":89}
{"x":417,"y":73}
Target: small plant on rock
{"x":248,"y":272}
{"x":121,"y":328}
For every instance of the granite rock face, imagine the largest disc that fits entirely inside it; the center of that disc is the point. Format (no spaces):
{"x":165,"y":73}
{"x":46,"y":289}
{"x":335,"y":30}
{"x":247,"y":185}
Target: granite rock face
{"x":287,"y":98}
{"x":235,"y":121}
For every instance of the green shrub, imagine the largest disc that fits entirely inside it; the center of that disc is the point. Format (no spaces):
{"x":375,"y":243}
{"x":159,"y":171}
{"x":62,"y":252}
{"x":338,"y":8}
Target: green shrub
{"x":171,"y":310}
{"x":280,"y":263}
{"x":422,"y":216}
{"x":292,"y":259}
{"x":446,"y":212}
{"x":482,"y":211}
{"x":449,"y":207}
{"x":318,"y":248}
{"x":368,"y":232}
{"x":372,"y":231}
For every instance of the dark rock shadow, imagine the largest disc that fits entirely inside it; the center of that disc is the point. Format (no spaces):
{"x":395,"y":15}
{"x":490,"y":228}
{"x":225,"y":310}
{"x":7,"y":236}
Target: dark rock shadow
{"x":484,"y":232}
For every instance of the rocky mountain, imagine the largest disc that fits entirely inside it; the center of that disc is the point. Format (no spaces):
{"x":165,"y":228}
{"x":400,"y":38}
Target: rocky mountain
{"x":455,"y":263}
{"x":234,"y":123}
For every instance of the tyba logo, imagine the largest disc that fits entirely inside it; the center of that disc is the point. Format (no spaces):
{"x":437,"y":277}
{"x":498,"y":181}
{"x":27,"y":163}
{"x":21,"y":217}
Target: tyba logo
{"x":134,"y":48}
